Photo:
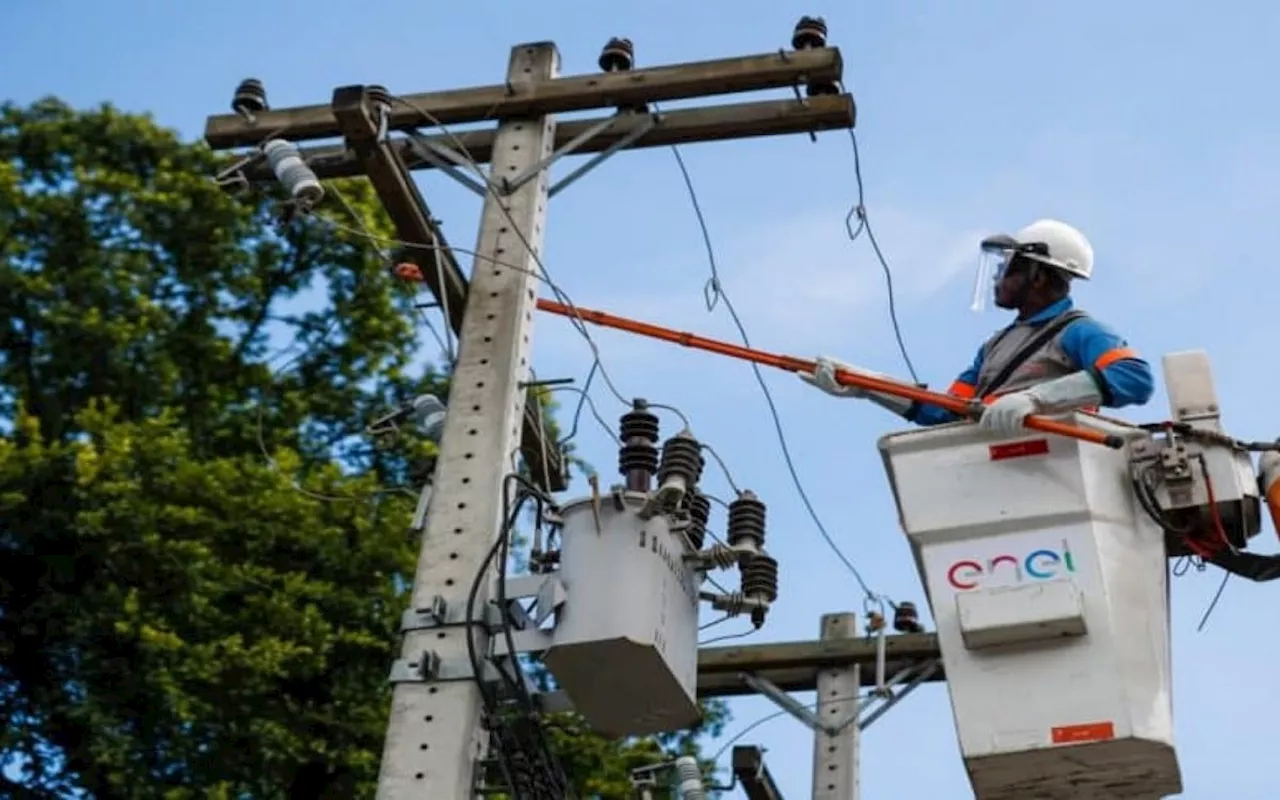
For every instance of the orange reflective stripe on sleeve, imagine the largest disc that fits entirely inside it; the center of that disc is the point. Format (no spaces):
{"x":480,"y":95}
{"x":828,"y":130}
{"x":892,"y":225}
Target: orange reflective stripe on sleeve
{"x":1113,"y":355}
{"x":962,"y":390}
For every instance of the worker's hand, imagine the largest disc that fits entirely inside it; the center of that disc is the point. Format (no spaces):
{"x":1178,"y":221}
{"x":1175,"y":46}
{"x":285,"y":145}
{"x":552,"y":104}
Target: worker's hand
{"x":824,"y":377}
{"x":1004,"y":417}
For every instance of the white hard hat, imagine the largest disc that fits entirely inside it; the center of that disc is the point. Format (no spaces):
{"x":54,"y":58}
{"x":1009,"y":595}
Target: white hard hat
{"x":1046,"y":241}
{"x":1066,"y":248}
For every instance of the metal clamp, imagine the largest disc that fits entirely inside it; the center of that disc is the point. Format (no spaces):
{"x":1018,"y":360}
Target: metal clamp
{"x":430,"y":668}
{"x":440,"y":614}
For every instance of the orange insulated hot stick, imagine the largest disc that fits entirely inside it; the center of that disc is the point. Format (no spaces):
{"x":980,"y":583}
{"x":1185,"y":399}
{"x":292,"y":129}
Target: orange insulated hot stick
{"x":790,"y":364}
{"x":955,"y":405}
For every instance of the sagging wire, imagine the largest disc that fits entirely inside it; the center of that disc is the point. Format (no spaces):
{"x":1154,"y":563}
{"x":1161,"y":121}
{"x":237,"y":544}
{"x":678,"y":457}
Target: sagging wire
{"x":727,"y":637}
{"x":1213,"y":604}
{"x":576,"y":320}
{"x":260,"y":424}
{"x":447,"y":343}
{"x":724,"y":468}
{"x":714,"y":290}
{"x":584,"y":399}
{"x":859,"y":210}
{"x":597,"y":366}
{"x":715,"y":622}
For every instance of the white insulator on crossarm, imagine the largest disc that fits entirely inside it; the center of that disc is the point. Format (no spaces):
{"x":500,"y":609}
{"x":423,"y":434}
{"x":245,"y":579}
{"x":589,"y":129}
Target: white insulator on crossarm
{"x":690,"y":776}
{"x":293,"y":173}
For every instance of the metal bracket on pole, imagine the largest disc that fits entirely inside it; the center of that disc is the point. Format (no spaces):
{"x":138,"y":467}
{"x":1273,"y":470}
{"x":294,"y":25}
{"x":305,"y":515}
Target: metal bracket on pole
{"x":920,"y":676}
{"x":639,"y":124}
{"x":783,"y":700}
{"x":806,"y":716}
{"x":429,"y":667}
{"x":643,"y":125}
{"x":509,"y":185}
{"x":439,"y":613}
{"x":448,"y":161}
{"x":547,"y":590}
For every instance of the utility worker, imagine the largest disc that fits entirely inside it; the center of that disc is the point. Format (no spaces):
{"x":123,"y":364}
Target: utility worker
{"x":1052,"y":359}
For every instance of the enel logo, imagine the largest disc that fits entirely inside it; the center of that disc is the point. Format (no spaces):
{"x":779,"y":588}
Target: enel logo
{"x":1038,"y":565}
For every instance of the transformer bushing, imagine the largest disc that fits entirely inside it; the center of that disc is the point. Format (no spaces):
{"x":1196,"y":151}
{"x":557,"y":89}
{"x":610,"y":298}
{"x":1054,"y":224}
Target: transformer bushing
{"x":746,"y":527}
{"x":810,"y":33}
{"x":760,"y":583}
{"x":679,"y":470}
{"x":638,"y":456}
{"x":699,"y":509}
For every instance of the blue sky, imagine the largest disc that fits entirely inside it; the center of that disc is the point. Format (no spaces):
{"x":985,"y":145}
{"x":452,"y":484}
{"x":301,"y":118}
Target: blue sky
{"x":1151,"y":126}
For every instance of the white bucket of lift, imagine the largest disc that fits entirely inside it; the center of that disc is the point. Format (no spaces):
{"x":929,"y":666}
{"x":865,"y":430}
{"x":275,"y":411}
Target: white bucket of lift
{"x":1049,"y":590}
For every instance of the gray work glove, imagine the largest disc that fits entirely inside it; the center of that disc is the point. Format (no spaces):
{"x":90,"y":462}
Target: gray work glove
{"x":824,"y":377}
{"x":1005,"y":416}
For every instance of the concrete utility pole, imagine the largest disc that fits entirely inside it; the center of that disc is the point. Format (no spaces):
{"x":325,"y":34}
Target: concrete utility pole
{"x":432,"y":741}
{"x":434,"y":738}
{"x":835,"y":755}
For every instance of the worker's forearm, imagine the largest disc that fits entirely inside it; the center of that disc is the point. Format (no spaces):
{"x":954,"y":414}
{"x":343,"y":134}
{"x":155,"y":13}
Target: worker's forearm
{"x":1128,"y":382}
{"x":1078,"y":390}
{"x":897,"y":405}
{"x":928,"y":415}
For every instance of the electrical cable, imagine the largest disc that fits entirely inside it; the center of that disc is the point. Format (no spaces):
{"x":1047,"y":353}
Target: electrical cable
{"x":487,"y":699}
{"x":715,"y":622}
{"x":728,"y":636}
{"x":577,"y":322}
{"x":584,"y":399}
{"x":724,"y":468}
{"x":1213,"y":604}
{"x":714,"y":290}
{"x":447,"y":344}
{"x":540,"y":749}
{"x":859,"y":210}
{"x":260,"y":427}
{"x":549,"y":764}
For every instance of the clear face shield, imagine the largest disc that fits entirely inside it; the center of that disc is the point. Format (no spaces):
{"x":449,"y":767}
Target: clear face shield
{"x":994,"y":255}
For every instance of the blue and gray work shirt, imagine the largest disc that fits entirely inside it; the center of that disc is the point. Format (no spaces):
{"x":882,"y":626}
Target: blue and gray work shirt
{"x":1123,"y":377}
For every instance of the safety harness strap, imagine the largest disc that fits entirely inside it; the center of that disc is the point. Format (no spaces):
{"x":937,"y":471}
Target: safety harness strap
{"x":1029,"y":348}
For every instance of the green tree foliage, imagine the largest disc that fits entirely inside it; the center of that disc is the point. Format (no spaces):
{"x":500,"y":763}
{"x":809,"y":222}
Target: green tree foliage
{"x":199,"y":550}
